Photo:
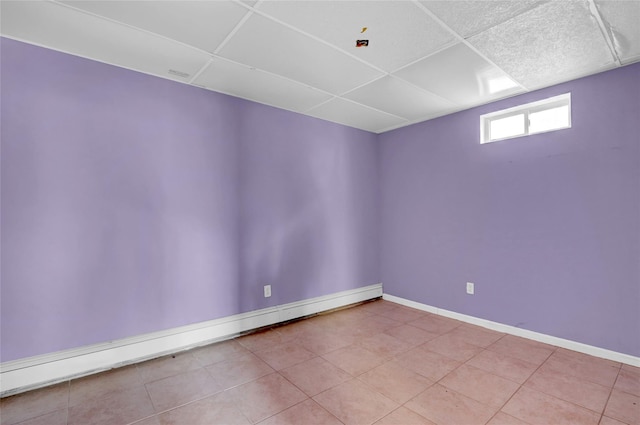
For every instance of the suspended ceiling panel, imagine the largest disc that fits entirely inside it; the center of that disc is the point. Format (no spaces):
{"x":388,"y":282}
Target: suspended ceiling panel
{"x":462,"y":76}
{"x":61,"y":28}
{"x":424,"y":58}
{"x":265,"y":44}
{"x":468,"y":18}
{"x":399,"y":32}
{"x":345,"y":112}
{"x":622,"y":20}
{"x":260,"y":86}
{"x":553,"y":41}
{"x":203,"y":24}
{"x":395,"y":96}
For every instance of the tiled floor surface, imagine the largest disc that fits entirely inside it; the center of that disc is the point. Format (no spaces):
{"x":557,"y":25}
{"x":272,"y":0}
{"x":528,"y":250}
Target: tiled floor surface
{"x":376,"y":363}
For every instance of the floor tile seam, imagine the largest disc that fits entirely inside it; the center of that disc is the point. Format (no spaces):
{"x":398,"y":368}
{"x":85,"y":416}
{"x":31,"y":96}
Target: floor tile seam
{"x":142,"y":419}
{"x":173,"y":375}
{"x":586,"y":377}
{"x":187,"y":403}
{"x":336,"y":366}
{"x":472,"y":398}
{"x":296,"y":404}
{"x":366,"y":384}
{"x":208,"y":394}
{"x":577,"y":378}
{"x":566,"y":401}
{"x":505,"y":413}
{"x":66,"y":409}
{"x":368,"y":387}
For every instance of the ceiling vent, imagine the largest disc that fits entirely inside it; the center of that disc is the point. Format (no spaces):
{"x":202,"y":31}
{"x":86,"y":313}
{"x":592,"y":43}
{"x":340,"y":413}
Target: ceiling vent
{"x":178,"y":73}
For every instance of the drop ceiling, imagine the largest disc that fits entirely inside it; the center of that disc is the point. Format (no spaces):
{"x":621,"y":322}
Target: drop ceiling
{"x":424,"y":59}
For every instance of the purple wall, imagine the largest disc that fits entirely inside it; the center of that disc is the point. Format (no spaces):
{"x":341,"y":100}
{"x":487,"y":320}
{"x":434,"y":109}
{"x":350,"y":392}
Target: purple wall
{"x":132,"y":204}
{"x":309,"y":197}
{"x":547,"y":226}
{"x":123,"y":197}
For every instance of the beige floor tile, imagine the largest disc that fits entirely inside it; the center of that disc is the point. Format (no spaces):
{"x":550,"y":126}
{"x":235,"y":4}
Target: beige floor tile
{"x":308,"y":413}
{"x":315,"y":375}
{"x":435,"y":324}
{"x":453,"y":347}
{"x":58,"y":417}
{"x":219,"y":352}
{"x":245,"y":368}
{"x":384,"y":345}
{"x":355,"y":404}
{"x":628,"y":380}
{"x":569,"y":388}
{"x":217,"y":409}
{"x":121,"y":407}
{"x":444,"y":406}
{"x":411,"y":335}
{"x":261,"y":340}
{"x":503,"y":419}
{"x":265,"y":397}
{"x":403,"y":314}
{"x":476,"y":335}
{"x":512,"y":368}
{"x":102,"y":384}
{"x":34,"y":403}
{"x":354,"y":359}
{"x":521,"y":348}
{"x":624,"y":407}
{"x":285,"y":355}
{"x":537,"y":408}
{"x":180,"y":389}
{"x":481,"y":386}
{"x":166,"y":366}
{"x":427,"y":363}
{"x":610,"y":421}
{"x":404,"y":416}
{"x":395,"y":382}
{"x":589,"y":368}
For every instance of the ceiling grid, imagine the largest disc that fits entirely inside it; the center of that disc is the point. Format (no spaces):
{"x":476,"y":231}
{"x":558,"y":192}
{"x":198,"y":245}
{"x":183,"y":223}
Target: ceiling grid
{"x":424,"y":59}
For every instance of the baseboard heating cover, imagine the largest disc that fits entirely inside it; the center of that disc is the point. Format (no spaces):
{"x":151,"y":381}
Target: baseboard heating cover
{"x":25,"y":374}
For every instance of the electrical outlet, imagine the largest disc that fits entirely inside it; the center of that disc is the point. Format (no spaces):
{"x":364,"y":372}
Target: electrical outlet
{"x":470,"y":288}
{"x":267,"y":291}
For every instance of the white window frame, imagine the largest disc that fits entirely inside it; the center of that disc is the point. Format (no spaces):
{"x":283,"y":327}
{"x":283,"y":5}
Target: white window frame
{"x":527,"y":109}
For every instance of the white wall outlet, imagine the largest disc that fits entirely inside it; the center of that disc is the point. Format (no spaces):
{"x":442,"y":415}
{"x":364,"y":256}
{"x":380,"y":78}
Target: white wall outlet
{"x":470,"y":288}
{"x":267,"y":291}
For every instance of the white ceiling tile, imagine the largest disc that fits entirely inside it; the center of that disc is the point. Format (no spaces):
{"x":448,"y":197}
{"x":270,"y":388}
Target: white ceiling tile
{"x":399,"y":32}
{"x":264,"y":44}
{"x":58,"y":27}
{"x":203,"y":24}
{"x":460,"y":75}
{"x":469,"y":17}
{"x":547,"y":44}
{"x":253,"y":84}
{"x":397,"y":97}
{"x":353,"y":115}
{"x":623,"y":21}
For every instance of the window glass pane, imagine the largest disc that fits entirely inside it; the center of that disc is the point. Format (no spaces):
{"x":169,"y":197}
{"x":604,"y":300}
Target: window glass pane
{"x":511,"y":126}
{"x":549,"y":119}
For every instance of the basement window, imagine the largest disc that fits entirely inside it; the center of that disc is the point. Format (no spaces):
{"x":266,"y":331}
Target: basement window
{"x":542,"y":116}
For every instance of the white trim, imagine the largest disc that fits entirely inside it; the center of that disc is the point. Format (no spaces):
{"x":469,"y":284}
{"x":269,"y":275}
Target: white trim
{"x":512,"y":330}
{"x":34,"y":372}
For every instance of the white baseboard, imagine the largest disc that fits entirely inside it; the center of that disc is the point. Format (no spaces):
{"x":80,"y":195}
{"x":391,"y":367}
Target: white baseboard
{"x":512,"y":330}
{"x":34,"y":372}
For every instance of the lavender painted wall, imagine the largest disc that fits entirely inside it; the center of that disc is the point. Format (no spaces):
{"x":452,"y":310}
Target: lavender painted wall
{"x":309,"y":197}
{"x":547,"y":226}
{"x":121,"y":204}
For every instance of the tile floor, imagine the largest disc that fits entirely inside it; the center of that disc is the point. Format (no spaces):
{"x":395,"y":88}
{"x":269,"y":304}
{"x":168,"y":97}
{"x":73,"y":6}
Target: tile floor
{"x":377,"y":363}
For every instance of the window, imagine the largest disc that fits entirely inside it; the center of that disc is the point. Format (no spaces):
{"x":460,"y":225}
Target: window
{"x":545,"y":115}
